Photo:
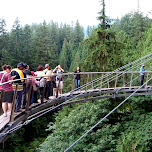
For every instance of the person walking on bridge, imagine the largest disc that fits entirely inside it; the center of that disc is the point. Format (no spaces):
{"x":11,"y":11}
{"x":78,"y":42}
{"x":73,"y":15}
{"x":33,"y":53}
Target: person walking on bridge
{"x":142,"y":74}
{"x":26,"y":86}
{"x":48,"y":73}
{"x":8,"y":96}
{"x":40,"y":73}
{"x":77,"y":78}
{"x":18,"y":74}
{"x":59,"y":79}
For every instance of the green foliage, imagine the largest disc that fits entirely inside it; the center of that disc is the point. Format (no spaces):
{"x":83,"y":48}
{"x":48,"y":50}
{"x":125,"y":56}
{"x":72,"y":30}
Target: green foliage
{"x":137,"y":135}
{"x":100,"y":45}
{"x":69,"y":126}
{"x":39,"y":44}
{"x":29,"y":137}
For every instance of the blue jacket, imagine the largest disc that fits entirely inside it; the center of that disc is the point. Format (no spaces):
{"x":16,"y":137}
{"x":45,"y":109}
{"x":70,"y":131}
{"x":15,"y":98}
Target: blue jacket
{"x":142,"y":70}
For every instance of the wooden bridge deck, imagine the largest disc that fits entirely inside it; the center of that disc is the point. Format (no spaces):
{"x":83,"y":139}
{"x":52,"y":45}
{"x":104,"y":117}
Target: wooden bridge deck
{"x":82,"y":96}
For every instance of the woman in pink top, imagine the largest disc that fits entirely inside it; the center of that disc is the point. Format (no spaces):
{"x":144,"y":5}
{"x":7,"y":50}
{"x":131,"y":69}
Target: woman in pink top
{"x":34,"y":91}
{"x":8,"y":96}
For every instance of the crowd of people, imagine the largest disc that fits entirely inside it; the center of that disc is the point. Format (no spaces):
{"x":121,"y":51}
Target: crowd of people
{"x":41,"y":79}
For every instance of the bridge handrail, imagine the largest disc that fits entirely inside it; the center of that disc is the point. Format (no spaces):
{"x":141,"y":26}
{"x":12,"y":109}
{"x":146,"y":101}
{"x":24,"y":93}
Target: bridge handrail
{"x":72,"y":73}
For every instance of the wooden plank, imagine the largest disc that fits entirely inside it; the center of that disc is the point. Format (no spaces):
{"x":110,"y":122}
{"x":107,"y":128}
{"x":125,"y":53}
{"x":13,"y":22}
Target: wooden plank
{"x":147,"y":79}
{"x":116,"y":80}
{"x":108,"y":82}
{"x":72,"y":83}
{"x":87,"y":82}
{"x":124,"y":79}
{"x":101,"y":81}
{"x":91,"y":80}
{"x":131,"y":80}
{"x":13,"y":104}
{"x":28,"y":96}
{"x":4,"y":121}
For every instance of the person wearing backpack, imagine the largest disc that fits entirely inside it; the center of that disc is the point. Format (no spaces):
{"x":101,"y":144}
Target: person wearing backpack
{"x":26,"y":85}
{"x":18,"y":74}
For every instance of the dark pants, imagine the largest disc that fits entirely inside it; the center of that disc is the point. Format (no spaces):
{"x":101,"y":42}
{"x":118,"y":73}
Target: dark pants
{"x":18,"y":101}
{"x":35,"y":97}
{"x":24,"y":96}
{"x":77,"y":83}
{"x":41,"y":91}
{"x":48,"y":89}
{"x":141,"y":79}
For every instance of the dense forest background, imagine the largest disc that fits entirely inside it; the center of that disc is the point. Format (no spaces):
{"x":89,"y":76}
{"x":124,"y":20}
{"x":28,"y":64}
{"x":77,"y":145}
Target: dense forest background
{"x":105,"y":48}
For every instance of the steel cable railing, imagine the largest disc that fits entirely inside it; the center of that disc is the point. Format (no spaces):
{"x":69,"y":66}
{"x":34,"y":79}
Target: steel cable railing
{"x":112,"y":78}
{"x":105,"y":117}
{"x":79,"y":95}
{"x":95,"y":86}
{"x":114,"y":71}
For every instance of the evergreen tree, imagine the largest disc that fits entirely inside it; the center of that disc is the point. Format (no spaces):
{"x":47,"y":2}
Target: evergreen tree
{"x":4,"y":55}
{"x":78,"y":34}
{"x":102,"y":17}
{"x":54,"y":35}
{"x":15,"y":43}
{"x":65,"y":55}
{"x":3,"y":34}
{"x":26,"y":44}
{"x":41,"y":45}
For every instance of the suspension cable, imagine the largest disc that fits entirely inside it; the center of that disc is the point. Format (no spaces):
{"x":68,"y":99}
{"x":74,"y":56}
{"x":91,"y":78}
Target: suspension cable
{"x":105,"y":117}
{"x":96,"y":80}
{"x":65,"y":101}
{"x":110,"y":79}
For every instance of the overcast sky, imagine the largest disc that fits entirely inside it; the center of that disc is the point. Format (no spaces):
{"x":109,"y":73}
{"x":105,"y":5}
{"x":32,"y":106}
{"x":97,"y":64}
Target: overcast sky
{"x":66,"y":11}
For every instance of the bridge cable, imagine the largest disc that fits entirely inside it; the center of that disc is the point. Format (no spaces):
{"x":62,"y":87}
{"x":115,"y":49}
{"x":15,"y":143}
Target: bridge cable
{"x":111,"y":79}
{"x":59,"y":104}
{"x":105,"y":117}
{"x":96,"y":80}
{"x":116,"y":70}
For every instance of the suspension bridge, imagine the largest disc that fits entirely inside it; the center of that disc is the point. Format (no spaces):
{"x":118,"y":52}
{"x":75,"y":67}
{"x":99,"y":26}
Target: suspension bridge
{"x":122,"y":82}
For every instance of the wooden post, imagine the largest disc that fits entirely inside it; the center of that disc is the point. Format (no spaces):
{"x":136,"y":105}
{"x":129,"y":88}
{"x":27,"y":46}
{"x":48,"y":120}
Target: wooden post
{"x":72,"y":83}
{"x":1,"y":99}
{"x":147,"y":79}
{"x":43,"y":93}
{"x":151,"y":82}
{"x":13,"y":104}
{"x":101,"y":81}
{"x":124,"y":79}
{"x":87,"y":81}
{"x":28,"y":95}
{"x":116,"y":81}
{"x":91,"y":80}
{"x":108,"y":82}
{"x":131,"y":80}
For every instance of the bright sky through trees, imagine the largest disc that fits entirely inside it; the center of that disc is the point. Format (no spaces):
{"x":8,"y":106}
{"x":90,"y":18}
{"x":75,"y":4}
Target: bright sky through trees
{"x":66,"y":11}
